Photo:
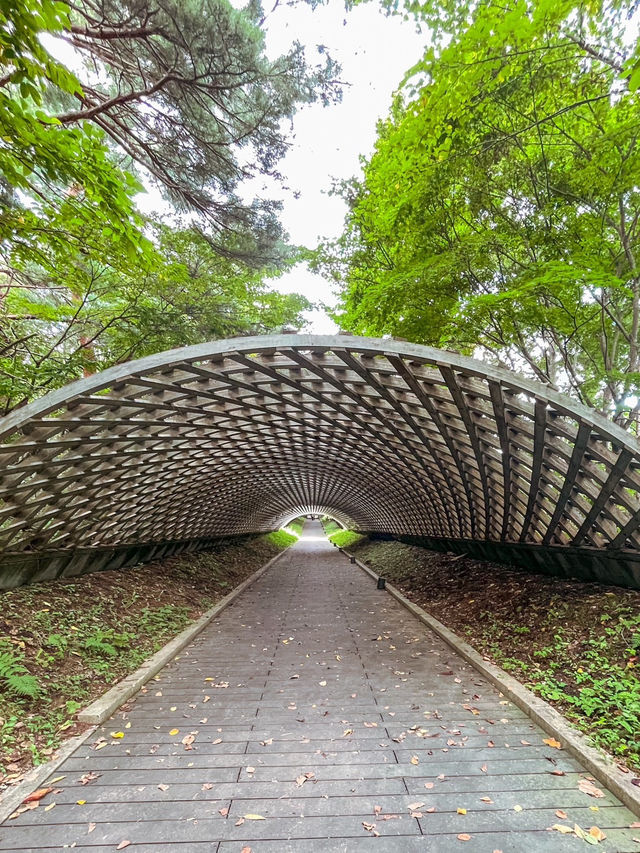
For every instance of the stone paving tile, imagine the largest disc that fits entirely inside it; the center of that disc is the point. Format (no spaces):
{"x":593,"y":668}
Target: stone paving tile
{"x":321,"y":705}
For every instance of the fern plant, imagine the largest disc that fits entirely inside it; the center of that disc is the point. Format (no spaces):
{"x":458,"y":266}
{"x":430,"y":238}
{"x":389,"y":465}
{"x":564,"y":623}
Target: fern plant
{"x":15,"y":676}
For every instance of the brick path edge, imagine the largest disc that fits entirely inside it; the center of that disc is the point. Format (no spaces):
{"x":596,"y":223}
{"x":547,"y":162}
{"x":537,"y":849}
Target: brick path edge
{"x":103,"y":707}
{"x":603,"y":768}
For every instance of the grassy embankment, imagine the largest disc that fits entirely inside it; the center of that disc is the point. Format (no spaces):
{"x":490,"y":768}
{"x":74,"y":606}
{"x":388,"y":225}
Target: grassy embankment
{"x":576,"y":644}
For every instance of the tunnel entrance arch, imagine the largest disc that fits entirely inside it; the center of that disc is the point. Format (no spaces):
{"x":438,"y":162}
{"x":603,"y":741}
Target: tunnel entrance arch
{"x":170,"y":452}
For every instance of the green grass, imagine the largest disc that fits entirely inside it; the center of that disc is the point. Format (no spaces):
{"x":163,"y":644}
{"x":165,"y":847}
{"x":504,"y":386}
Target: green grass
{"x":282,"y":538}
{"x":346,"y":538}
{"x":296,"y":526}
{"x":330,"y":526}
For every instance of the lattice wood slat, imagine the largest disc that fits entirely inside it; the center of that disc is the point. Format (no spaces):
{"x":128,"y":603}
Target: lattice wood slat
{"x":239,"y":436}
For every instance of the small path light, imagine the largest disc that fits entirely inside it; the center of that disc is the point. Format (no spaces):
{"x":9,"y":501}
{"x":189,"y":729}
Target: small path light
{"x":382,"y":583}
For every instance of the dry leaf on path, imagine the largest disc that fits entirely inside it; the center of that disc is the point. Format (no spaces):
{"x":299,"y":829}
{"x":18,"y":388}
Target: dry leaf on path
{"x":36,"y":796}
{"x":560,"y":827}
{"x":464,"y":837}
{"x":552,"y":742}
{"x":253,"y":817}
{"x":123,"y":844}
{"x":587,"y":787}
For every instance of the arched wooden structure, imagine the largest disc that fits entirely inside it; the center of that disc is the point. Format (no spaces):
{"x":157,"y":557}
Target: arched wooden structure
{"x":172,"y":451}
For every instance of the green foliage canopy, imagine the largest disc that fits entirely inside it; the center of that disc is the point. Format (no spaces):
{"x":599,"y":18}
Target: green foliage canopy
{"x":182,"y":94}
{"x":499,"y":212}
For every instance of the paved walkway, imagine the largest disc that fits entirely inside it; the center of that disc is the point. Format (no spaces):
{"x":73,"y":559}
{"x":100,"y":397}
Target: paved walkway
{"x":319,"y":704}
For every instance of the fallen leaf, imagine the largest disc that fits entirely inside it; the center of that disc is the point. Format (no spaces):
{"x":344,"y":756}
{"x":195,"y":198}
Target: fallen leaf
{"x":37,"y":795}
{"x":223,"y":812}
{"x":207,"y":786}
{"x":486,"y":800}
{"x":517,"y":808}
{"x":464,"y":837}
{"x":216,"y":741}
{"x":187,"y":740}
{"x":57,"y":779}
{"x":562,"y":815}
{"x":589,"y":788}
{"x":560,"y":827}
{"x":557,"y":772}
{"x":123,"y":844}
{"x":461,"y":811}
{"x":552,"y":742}
{"x":413,"y":806}
{"x":81,"y":802}
{"x":174,"y":732}
{"x":49,"y":807}
{"x":428,"y":785}
{"x":246,"y":850}
{"x":597,"y":833}
{"x":415,"y":759}
{"x":89,"y":777}
{"x":347,"y":732}
{"x":117,"y":735}
{"x":240,"y":821}
{"x":251,"y":769}
{"x":579,"y":831}
{"x":371,"y":725}
{"x":253,"y":817}
{"x":92,"y":826}
{"x":377,"y":810}
{"x":163,"y":787}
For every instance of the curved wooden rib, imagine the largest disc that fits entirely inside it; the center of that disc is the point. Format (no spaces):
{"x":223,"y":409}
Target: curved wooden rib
{"x":237,"y":436}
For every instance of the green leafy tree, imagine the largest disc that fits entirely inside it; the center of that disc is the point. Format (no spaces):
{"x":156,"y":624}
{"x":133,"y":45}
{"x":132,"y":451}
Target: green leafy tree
{"x":178,"y":93}
{"x":82,"y":314}
{"x":499,"y":212}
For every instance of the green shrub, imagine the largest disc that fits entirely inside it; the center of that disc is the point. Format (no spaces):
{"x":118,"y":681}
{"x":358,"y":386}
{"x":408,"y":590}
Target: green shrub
{"x":15,"y":676}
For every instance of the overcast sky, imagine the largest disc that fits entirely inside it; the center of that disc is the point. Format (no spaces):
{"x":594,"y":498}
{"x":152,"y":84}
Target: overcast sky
{"x":374,"y":51}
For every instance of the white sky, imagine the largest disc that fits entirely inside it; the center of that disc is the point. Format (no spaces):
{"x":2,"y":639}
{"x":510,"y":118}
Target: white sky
{"x":374,"y":51}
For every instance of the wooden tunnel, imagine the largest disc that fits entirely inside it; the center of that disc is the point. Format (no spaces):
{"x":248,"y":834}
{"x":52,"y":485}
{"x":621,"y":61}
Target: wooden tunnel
{"x":170,"y":452}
